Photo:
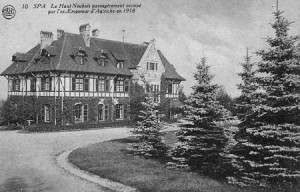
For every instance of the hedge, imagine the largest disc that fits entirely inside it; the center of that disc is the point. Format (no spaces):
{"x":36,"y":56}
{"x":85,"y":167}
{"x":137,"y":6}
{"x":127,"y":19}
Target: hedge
{"x":48,"y":127}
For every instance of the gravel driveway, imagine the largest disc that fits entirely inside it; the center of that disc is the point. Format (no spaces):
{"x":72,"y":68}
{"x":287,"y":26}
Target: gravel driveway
{"x":27,"y":160}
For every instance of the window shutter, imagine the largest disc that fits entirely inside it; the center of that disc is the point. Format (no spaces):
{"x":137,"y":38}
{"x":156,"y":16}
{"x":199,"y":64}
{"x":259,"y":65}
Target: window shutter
{"x":107,"y":85}
{"x":126,"y":86}
{"x":43,"y":113}
{"x":106,"y":118}
{"x":125,"y":111}
{"x":86,"y":85}
{"x":42,"y":84}
{"x":73,"y":113}
{"x":97,"y":84}
{"x":50,"y":83}
{"x":73,"y":84}
{"x":85,"y":112}
{"x":115,"y":86}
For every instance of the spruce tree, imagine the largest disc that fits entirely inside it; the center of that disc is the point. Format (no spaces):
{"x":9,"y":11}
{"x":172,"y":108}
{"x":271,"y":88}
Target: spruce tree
{"x":148,"y":130}
{"x":268,"y":152}
{"x":201,"y":145}
{"x":248,"y":89}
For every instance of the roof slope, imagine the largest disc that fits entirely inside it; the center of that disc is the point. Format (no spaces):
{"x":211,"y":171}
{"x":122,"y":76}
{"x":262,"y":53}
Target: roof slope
{"x":170,"y":72}
{"x":61,"y":50}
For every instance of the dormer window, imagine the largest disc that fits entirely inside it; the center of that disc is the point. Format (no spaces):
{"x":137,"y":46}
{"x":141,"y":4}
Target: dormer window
{"x":120,"y":65}
{"x":79,"y":55}
{"x":101,"y":57}
{"x":47,"y":53}
{"x":18,"y":58}
{"x":81,"y":58}
{"x":152,"y":66}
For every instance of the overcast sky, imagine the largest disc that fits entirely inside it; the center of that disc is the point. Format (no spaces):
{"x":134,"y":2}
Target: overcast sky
{"x":184,"y":31}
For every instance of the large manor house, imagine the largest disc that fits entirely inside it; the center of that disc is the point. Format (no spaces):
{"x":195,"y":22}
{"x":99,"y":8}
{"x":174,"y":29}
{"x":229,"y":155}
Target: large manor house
{"x":81,"y":78}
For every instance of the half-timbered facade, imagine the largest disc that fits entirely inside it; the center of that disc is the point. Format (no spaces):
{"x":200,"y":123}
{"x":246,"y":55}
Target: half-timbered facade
{"x":80,"y":78}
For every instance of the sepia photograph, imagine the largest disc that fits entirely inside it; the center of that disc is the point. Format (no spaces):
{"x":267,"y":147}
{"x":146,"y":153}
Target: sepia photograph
{"x":150,"y":96}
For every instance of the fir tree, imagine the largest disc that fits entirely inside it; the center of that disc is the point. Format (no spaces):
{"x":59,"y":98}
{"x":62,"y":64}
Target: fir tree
{"x":268,"y":152}
{"x":201,"y":146}
{"x":148,"y":130}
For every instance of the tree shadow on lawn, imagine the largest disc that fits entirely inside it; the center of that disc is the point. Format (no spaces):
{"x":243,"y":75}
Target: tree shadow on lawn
{"x":219,"y":178}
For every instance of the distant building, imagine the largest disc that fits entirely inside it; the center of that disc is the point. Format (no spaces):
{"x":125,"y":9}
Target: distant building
{"x":80,"y":78}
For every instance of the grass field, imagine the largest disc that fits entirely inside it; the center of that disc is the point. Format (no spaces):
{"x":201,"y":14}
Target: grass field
{"x":110,"y":160}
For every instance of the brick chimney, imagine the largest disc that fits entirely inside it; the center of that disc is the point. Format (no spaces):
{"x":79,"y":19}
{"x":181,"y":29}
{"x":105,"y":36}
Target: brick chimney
{"x":60,"y":33}
{"x":85,"y":32}
{"x":46,"y":39}
{"x":95,"y":33}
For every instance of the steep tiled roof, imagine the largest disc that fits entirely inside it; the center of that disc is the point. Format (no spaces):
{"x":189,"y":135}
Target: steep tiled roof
{"x":60,"y":56}
{"x":170,"y":72}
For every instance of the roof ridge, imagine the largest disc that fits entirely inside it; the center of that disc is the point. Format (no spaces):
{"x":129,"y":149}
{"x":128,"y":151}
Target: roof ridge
{"x":95,"y":38}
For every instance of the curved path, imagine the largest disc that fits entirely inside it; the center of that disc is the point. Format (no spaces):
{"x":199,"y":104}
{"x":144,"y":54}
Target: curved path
{"x":28,"y":160}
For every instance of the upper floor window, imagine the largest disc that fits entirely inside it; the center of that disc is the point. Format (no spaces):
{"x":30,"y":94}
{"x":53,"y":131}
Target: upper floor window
{"x":152,"y":66}
{"x":33,"y":84}
{"x":119,"y":85}
{"x":152,"y":88}
{"x":120,"y":64}
{"x":15,"y":85}
{"x":102,"y":85}
{"x":80,"y":84}
{"x":172,"y":88}
{"x":46,"y":84}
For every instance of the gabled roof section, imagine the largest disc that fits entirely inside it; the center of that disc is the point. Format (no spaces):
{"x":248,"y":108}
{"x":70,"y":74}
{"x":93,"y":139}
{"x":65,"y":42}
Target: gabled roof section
{"x":135,"y":53}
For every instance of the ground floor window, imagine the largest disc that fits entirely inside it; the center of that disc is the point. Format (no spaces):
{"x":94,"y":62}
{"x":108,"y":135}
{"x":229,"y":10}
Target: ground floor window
{"x":106,"y":112}
{"x":80,"y":112}
{"x":119,"y":111}
{"x":100,"y":112}
{"x":103,"y":112}
{"x":46,"y":113}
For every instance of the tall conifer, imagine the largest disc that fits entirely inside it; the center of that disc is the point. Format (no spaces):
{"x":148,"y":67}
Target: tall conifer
{"x":201,"y":146}
{"x":269,"y":150}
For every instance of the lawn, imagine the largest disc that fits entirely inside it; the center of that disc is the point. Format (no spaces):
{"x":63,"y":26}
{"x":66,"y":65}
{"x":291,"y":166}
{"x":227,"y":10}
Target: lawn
{"x":110,"y":160}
